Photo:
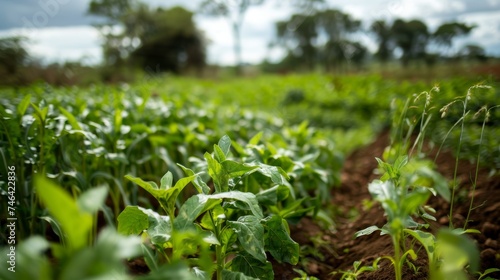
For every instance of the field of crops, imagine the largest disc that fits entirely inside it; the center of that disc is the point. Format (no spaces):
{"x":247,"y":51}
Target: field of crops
{"x":275,"y":177}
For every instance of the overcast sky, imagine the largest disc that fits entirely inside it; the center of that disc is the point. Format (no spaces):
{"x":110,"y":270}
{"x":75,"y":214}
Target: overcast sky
{"x":60,"y":29}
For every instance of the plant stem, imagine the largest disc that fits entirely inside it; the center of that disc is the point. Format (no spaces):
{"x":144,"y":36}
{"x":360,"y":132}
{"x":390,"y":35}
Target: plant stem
{"x":397,"y":256}
{"x":218,"y":248}
{"x":454,"y":186}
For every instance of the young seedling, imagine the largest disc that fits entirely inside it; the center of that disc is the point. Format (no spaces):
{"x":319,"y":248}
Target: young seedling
{"x":357,"y":270}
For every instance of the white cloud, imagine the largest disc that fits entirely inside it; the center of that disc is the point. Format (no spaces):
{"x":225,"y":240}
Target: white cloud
{"x":59,"y":44}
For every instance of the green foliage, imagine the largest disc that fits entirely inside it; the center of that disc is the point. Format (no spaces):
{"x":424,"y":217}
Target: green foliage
{"x":79,"y":256}
{"x":230,"y":219}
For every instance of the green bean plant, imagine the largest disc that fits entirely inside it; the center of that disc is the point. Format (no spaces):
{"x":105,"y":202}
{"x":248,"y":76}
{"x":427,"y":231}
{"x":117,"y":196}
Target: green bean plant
{"x":226,"y":218}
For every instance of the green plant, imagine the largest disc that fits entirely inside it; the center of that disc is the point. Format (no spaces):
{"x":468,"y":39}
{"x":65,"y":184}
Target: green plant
{"x":402,"y":191}
{"x":357,"y":270}
{"x":449,"y":252}
{"x":486,"y":272}
{"x":80,"y":255}
{"x":229,"y":220}
{"x":465,"y":112}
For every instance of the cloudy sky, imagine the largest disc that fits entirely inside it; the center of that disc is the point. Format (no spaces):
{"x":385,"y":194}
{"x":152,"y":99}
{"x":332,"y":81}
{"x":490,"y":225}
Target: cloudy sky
{"x":60,"y":29}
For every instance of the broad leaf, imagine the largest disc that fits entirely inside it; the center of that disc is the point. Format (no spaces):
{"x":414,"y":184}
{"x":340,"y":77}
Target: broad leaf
{"x":166,"y":181}
{"x":225,"y":145}
{"x":216,"y":171}
{"x":235,"y":169}
{"x":198,"y":204}
{"x":278,"y":241}
{"x":252,"y":267}
{"x":198,"y":182}
{"x":92,"y":199}
{"x":426,"y":239}
{"x":132,"y":221}
{"x":251,"y":235}
{"x":277,"y":175}
{"x":232,"y":275}
{"x":273,"y":195}
{"x":135,"y":219}
{"x":75,"y":222}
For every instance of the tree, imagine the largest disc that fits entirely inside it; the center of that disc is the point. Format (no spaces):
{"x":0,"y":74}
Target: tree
{"x":169,"y":38}
{"x":446,"y":32}
{"x":299,"y":39}
{"x":112,"y":10}
{"x":383,"y":36}
{"x":234,"y":11}
{"x":412,"y":38}
{"x":161,"y":39}
{"x":303,"y":36}
{"x":13,"y":54}
{"x":338,"y":49}
{"x":473,"y":52}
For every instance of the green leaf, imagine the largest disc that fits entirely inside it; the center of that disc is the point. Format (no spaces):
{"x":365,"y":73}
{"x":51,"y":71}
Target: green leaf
{"x":252,"y":267}
{"x":198,"y":182}
{"x":193,"y":242}
{"x":166,"y":197}
{"x":426,"y":239}
{"x":23,"y":105}
{"x":455,"y":252}
{"x":225,"y":145}
{"x":271,"y":196}
{"x":251,"y":235}
{"x":235,"y":169}
{"x":160,"y":227}
{"x":41,"y":114}
{"x":118,"y":246}
{"x":278,"y":241}
{"x":219,"y":154}
{"x":216,"y":171}
{"x":145,"y":185}
{"x":75,"y":223}
{"x":31,"y":262}
{"x":71,"y":119}
{"x":366,"y":231}
{"x":132,"y":221}
{"x":232,"y":275}
{"x":166,"y":181}
{"x":55,"y":227}
{"x":172,"y":271}
{"x":192,"y":208}
{"x":383,"y":190}
{"x":93,"y":199}
{"x":277,"y":175}
{"x":255,"y":140}
{"x":413,"y":200}
{"x":198,"y":204}
{"x":150,"y":257}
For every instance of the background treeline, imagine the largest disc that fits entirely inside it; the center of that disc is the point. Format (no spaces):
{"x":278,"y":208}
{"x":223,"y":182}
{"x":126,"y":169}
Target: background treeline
{"x":140,"y":39}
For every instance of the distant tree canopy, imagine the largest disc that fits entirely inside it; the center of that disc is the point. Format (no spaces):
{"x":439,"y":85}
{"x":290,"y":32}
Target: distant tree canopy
{"x":321,"y":37}
{"x":161,"y":39}
{"x":13,"y":54}
{"x":324,"y":37}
